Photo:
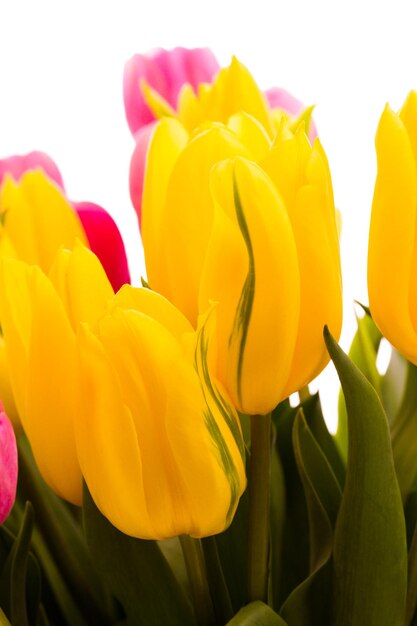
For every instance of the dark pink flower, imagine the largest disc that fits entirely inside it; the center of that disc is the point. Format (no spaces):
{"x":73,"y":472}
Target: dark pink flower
{"x":8,"y":465}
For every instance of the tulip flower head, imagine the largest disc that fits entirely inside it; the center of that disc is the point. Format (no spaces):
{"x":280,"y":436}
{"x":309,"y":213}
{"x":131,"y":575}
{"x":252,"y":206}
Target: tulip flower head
{"x":8,"y":465}
{"x":392,"y":255}
{"x":195,"y":97}
{"x":40,"y":315}
{"x":247,"y":219}
{"x":159,"y":443}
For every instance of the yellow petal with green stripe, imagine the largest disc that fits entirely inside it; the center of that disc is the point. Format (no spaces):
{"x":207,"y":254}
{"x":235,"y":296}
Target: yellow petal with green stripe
{"x":256,"y":350}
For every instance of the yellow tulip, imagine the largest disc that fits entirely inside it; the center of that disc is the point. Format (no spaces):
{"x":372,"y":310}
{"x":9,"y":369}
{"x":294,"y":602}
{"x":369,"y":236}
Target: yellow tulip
{"x":248,"y":222}
{"x":392,"y":255}
{"x":40,"y":315}
{"x":36,"y":219}
{"x":159,"y":443}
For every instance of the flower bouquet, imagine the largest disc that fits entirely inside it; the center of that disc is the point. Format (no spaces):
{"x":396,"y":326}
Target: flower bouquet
{"x":157,"y":472}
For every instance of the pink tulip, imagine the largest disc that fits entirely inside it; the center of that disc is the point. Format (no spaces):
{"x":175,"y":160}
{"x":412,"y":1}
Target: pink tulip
{"x":8,"y":465}
{"x":166,"y":71}
{"x":101,"y":231}
{"x":17,"y":165}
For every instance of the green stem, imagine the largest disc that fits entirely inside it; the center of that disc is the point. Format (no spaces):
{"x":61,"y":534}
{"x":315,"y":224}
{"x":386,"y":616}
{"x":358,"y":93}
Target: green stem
{"x":217,"y":583}
{"x":259,"y":504}
{"x":197,"y":576}
{"x":304,"y":393}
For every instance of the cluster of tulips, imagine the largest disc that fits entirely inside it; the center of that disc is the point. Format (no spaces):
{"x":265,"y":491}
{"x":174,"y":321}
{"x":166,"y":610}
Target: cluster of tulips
{"x":152,"y":468}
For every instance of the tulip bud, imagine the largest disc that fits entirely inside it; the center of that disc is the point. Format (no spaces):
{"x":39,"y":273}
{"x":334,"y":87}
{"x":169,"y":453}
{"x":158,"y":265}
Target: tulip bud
{"x":392,"y":255}
{"x":259,"y":239}
{"x":158,"y":441}
{"x":8,"y":465}
{"x":40,"y":315}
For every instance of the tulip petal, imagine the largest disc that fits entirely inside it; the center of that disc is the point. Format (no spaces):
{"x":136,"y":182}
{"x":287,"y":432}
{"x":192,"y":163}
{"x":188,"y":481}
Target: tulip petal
{"x":82,"y":284}
{"x":107,"y":443}
{"x":105,"y":241}
{"x":8,"y":465}
{"x":17,"y":166}
{"x":301,"y":175}
{"x":156,"y":306}
{"x":51,"y":370}
{"x":6,"y":393}
{"x":186,"y":222}
{"x":250,"y":133}
{"x":137,"y":167}
{"x":392,"y":236}
{"x":255,"y":352}
{"x":168,"y":139}
{"x":38,"y":218}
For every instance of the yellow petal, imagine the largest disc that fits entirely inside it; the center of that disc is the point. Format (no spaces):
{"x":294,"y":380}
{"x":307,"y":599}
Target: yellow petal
{"x":6,"y":392}
{"x":38,"y":218}
{"x":408,"y":116}
{"x":256,"y":349}
{"x":50,"y":390}
{"x":168,"y":141}
{"x":233,"y":90}
{"x":15,"y":315}
{"x":187,"y":220}
{"x":107,"y":443}
{"x":251,"y":133}
{"x":157,"y":104}
{"x":392,"y":236}
{"x":302,"y":176}
{"x":154,"y":305}
{"x":81,"y":283}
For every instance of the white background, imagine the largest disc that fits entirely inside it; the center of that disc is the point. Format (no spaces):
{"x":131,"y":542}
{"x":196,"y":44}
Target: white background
{"x":61,"y":67}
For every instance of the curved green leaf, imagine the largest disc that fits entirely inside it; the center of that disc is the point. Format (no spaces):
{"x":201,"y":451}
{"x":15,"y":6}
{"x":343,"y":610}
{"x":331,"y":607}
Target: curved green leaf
{"x":309,"y":603}
{"x":256,"y":614}
{"x":404,"y":436}
{"x":370,"y":552}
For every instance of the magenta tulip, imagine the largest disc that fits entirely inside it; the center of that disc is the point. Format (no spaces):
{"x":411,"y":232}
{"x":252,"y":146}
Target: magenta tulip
{"x":8,"y":465}
{"x":101,"y":231}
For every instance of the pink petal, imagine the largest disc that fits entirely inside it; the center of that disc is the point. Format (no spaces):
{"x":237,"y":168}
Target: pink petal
{"x":137,"y":167}
{"x":8,"y":465}
{"x":279,"y":98}
{"x":17,"y":165}
{"x":105,"y":241}
{"x":166,"y":71}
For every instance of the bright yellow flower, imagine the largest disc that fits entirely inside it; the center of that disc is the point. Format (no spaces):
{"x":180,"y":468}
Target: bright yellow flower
{"x":36,"y":220}
{"x":159,"y":443}
{"x":40,"y":315}
{"x":392,"y":256}
{"x":249,"y":222}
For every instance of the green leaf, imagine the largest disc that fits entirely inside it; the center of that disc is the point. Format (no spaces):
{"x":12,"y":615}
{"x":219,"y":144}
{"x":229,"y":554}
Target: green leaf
{"x":256,"y":614}
{"x":13,"y":581}
{"x":315,"y":420}
{"x":309,"y":603}
{"x":137,"y":573}
{"x":404,"y":436}
{"x":370,"y":553}
{"x":362,"y":353}
{"x":412,"y":581}
{"x":294,"y":548}
{"x":65,"y":540}
{"x":393,"y":384}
